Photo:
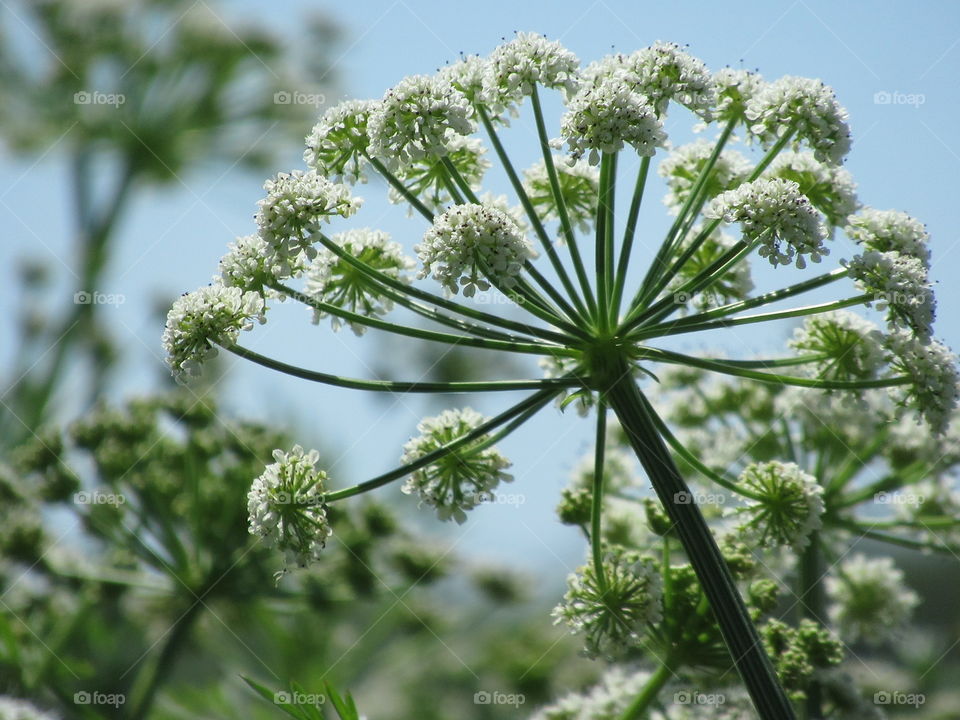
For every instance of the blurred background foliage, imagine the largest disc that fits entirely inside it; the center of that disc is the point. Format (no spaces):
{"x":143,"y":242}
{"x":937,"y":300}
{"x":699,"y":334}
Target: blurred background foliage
{"x":125,"y":563}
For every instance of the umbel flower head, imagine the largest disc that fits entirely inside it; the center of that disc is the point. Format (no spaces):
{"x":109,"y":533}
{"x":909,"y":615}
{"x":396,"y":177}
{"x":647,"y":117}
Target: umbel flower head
{"x":516,"y":67}
{"x":336,"y":146}
{"x":869,"y":600}
{"x":775,"y":213}
{"x":201,"y":320}
{"x":578,"y":187}
{"x":470,"y":244}
{"x":612,"y":613}
{"x":462,"y":479}
{"x":286,"y":505}
{"x":900,"y":285}
{"x":850,"y":346}
{"x":295,"y":205}
{"x":334,"y":281}
{"x":887,"y":231}
{"x":786,"y":505}
{"x":251,"y":264}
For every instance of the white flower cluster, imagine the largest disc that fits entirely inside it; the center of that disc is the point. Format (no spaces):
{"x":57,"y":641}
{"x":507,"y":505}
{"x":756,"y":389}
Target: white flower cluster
{"x":606,"y":700}
{"x":807,"y":105}
{"x":604,"y":116}
{"x":417,"y":118}
{"x":285,"y":505}
{"x":612,"y":618}
{"x":900,"y":285}
{"x":460,"y":480}
{"x":932,"y":368}
{"x":682,"y":167}
{"x":469,"y":241}
{"x":661,"y":73}
{"x":775,"y":211}
{"x":426,"y":179}
{"x":851,"y":345}
{"x":890,"y":231}
{"x":468,"y":75}
{"x":250,"y":263}
{"x":12,"y":708}
{"x":201,"y":320}
{"x":295,"y":205}
{"x":788,"y":508}
{"x":869,"y":599}
{"x":337,"y":143}
{"x":336,"y":282}
{"x":529,"y":59}
{"x":735,"y":88}
{"x":579,"y":184}
{"x":830,"y":188}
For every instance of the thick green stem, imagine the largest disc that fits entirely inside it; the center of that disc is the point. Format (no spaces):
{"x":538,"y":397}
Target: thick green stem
{"x":596,"y":506}
{"x":648,"y":695}
{"x":813,"y":604}
{"x":741,"y":636}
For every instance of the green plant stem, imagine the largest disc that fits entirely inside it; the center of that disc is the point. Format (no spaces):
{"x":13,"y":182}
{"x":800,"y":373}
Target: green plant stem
{"x":666,"y":329}
{"x":400,"y":188}
{"x":742,"y":640}
{"x":813,"y":605}
{"x":648,"y":695}
{"x":152,"y":675}
{"x":531,"y":211}
{"x":565,"y":224}
{"x":527,"y":408}
{"x":629,"y":235}
{"x":420,"y":333}
{"x":596,"y":501}
{"x":603,"y":217}
{"x":397,"y":386}
{"x":440,"y":302}
{"x":726,"y":368}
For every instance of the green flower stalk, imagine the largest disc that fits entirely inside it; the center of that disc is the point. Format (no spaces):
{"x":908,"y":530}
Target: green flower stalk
{"x":596,"y":326}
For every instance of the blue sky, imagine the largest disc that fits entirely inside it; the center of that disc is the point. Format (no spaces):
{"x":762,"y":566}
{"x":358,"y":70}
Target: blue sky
{"x":906,"y":155}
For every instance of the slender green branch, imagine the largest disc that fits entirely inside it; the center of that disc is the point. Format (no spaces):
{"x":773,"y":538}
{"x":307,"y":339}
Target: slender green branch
{"x":399,"y":386}
{"x":629,"y":235}
{"x":562,"y":209}
{"x":721,"y":366}
{"x":400,"y":188}
{"x":608,"y":193}
{"x":648,"y":694}
{"x":464,"y":310}
{"x":530,"y":210}
{"x":670,"y":329}
{"x":532,"y":403}
{"x":596,"y":503}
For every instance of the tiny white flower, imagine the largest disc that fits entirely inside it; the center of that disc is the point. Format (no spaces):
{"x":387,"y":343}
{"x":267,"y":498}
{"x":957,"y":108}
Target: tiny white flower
{"x":932,"y":367}
{"x":417,"y":118}
{"x":286,"y":505}
{"x":462,"y":479}
{"x":200,"y":321}
{"x":337,"y":143}
{"x":529,"y":59}
{"x":251,"y":263}
{"x":807,"y":105}
{"x":468,"y":241}
{"x":336,"y":282}
{"x":869,"y":598}
{"x":735,"y":88}
{"x":774,"y":206}
{"x":830,"y":188}
{"x":900,"y":285}
{"x":890,"y":231}
{"x":605,"y":116}
{"x":788,"y":508}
